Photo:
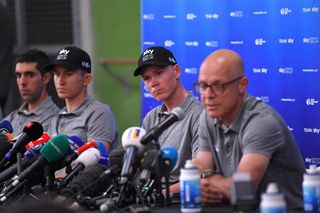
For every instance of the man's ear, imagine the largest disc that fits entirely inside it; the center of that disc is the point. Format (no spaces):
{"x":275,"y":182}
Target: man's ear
{"x":47,"y":77}
{"x":177,"y":70}
{"x":87,"y":79}
{"x":243,"y":85}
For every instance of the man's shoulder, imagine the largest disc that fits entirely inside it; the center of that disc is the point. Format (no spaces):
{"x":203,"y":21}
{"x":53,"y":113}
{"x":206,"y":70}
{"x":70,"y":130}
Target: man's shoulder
{"x":11,"y":115}
{"x":98,"y":105}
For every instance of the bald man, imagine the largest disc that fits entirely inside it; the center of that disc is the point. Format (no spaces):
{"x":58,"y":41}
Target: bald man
{"x":239,"y":133}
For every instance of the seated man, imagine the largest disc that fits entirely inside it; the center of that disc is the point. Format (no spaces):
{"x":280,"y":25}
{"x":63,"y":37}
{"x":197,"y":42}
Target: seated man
{"x":239,"y":133}
{"x":83,"y":116}
{"x":160,"y":72}
{"x":32,"y":82}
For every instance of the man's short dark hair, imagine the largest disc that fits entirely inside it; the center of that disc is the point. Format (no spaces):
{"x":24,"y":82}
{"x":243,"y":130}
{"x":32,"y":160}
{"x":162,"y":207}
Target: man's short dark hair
{"x":35,"y":56}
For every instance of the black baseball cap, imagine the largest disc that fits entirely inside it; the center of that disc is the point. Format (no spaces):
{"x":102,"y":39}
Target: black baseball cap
{"x":71,"y":58}
{"x":157,"y":55}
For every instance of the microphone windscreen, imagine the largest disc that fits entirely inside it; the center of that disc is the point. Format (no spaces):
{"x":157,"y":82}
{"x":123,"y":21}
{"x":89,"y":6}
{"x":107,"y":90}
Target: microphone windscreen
{"x":56,"y":148}
{"x":104,"y":153}
{"x":5,"y":146}
{"x":33,"y":129}
{"x":132,"y":137}
{"x":88,"y":183}
{"x":6,"y":127}
{"x":89,"y":157}
{"x":75,"y":142}
{"x":178,"y":112}
{"x":171,"y":154}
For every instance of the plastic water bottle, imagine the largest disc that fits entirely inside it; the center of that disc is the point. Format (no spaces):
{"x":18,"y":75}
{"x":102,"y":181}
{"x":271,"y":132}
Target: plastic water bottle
{"x":190,"y":189}
{"x":311,"y":190}
{"x":272,"y":201}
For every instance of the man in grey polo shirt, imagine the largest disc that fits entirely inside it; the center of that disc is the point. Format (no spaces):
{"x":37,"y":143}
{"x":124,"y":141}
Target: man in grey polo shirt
{"x":82,"y":116}
{"x":160,"y":72}
{"x":32,"y":82}
{"x":239,"y":133}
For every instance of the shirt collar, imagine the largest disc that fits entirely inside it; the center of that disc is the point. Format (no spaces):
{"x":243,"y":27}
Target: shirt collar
{"x":184,"y":106}
{"x":38,"y":110}
{"x":79,"y":109}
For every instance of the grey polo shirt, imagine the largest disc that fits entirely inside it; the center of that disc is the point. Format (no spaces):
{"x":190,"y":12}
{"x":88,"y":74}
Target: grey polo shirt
{"x":91,"y":120}
{"x":182,"y":135}
{"x":257,"y":129}
{"x":42,"y":114}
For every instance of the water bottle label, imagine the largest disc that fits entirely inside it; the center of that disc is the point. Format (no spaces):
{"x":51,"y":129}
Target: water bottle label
{"x":273,"y":210}
{"x":310,"y":198}
{"x":190,"y":193}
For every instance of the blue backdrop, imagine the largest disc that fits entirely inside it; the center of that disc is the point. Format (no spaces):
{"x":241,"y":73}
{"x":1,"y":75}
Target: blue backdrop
{"x":278,"y":40}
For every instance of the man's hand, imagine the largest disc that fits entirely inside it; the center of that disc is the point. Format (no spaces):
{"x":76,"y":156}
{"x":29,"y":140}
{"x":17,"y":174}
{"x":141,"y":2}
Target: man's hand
{"x":209,"y":193}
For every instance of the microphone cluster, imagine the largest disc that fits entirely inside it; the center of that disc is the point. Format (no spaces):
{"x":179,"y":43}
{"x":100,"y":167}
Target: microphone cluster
{"x":82,"y":174}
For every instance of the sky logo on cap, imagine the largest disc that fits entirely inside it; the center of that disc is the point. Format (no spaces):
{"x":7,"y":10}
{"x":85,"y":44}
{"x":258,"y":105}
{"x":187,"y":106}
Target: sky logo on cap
{"x":86,"y":64}
{"x":63,"y":54}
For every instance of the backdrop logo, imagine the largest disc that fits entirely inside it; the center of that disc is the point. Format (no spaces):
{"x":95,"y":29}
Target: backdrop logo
{"x":290,"y":128}
{"x":152,"y":43}
{"x":310,"y":70}
{"x":288,"y":99}
{"x":148,"y":16}
{"x":311,"y":40}
{"x":147,"y":95}
{"x":260,"y":70}
{"x":260,"y":12}
{"x":285,"y":11}
{"x":211,"y":16}
{"x":192,"y":43}
{"x":237,"y":42}
{"x":286,"y":70}
{"x":191,"y":16}
{"x":311,"y":130}
{"x":265,"y":99}
{"x":169,"y":16}
{"x":169,"y":43}
{"x":212,"y":43}
{"x":310,"y":9}
{"x":286,"y":40}
{"x":236,"y":14}
{"x":191,"y":70}
{"x":260,"y":41}
{"x":311,"y":101}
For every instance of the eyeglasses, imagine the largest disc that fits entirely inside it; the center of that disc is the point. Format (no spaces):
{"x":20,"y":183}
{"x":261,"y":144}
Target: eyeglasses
{"x":217,"y":88}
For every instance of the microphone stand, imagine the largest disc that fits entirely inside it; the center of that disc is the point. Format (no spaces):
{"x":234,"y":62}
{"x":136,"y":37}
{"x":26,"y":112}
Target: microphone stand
{"x":19,"y":163}
{"x":157,"y":172}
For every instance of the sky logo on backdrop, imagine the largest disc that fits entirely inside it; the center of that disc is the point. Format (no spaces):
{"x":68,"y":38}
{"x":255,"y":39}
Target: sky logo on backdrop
{"x":285,"y":11}
{"x":191,"y":16}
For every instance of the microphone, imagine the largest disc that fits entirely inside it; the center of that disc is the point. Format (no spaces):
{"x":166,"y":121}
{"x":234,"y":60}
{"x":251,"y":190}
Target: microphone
{"x":52,"y":151}
{"x":5,"y":127}
{"x":176,"y":114}
{"x":5,"y":144}
{"x":87,"y":158}
{"x":87,"y":183}
{"x":33,"y":148}
{"x":45,"y":137}
{"x":76,"y":153}
{"x":115,"y":163}
{"x":131,"y":143}
{"x":32,"y":131}
{"x":75,"y":143}
{"x":169,"y":158}
{"x":104,"y":153}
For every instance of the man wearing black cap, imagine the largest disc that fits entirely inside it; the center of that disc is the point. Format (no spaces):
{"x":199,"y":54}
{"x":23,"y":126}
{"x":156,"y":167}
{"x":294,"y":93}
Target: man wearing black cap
{"x":160,"y":72}
{"x":82,"y":116}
